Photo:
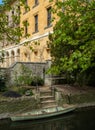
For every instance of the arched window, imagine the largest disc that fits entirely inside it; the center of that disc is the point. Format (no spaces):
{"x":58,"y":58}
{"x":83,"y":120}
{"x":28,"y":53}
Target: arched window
{"x":7,"y":59}
{"x":18,"y":54}
{"x":12,"y":57}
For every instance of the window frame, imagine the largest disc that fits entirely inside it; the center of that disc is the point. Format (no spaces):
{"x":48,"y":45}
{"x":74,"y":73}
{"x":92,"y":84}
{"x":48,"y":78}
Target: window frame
{"x":36,"y":3}
{"x":36,"y":23}
{"x":49,"y":16}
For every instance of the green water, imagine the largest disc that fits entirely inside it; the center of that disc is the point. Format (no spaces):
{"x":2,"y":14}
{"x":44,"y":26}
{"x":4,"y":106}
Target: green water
{"x":84,"y":120}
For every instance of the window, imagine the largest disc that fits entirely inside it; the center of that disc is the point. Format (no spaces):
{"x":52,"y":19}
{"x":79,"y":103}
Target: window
{"x":12,"y":21}
{"x":48,"y":16}
{"x":36,"y":2}
{"x":36,"y":23}
{"x":18,"y":10}
{"x":12,"y":12}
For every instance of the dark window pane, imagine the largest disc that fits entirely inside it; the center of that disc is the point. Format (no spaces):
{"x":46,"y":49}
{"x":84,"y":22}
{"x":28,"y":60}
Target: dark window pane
{"x":36,"y":23}
{"x":49,"y":16}
{"x":36,"y":2}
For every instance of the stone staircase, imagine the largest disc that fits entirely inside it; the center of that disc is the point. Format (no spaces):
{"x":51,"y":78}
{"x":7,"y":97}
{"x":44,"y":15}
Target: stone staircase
{"x":47,"y":98}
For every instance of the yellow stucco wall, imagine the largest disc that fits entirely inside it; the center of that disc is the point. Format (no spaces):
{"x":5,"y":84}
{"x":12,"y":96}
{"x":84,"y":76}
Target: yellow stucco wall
{"x":39,"y":53}
{"x":42,"y":51}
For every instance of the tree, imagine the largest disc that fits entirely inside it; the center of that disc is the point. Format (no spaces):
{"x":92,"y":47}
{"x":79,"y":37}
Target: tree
{"x":73,"y":41}
{"x":9,"y":28}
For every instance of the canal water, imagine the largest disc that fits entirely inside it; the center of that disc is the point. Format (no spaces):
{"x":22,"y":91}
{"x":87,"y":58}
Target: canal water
{"x":84,"y":120}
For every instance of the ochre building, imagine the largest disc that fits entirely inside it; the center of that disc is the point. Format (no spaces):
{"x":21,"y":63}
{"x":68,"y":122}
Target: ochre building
{"x":35,"y":19}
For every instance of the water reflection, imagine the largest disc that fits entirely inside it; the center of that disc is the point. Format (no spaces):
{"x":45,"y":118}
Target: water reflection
{"x":76,"y":121}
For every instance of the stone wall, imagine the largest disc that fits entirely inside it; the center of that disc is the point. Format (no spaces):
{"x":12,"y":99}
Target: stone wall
{"x":36,"y":68}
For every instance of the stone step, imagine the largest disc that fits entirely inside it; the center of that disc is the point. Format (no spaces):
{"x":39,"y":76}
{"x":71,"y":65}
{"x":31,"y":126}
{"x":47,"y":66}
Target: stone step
{"x":48,"y":103}
{"x":44,"y":88}
{"x":45,"y":98}
{"x":45,"y":93}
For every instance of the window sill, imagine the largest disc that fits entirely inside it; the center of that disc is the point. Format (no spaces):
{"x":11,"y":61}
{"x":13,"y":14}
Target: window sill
{"x":48,"y":27}
{"x":35,"y":5}
{"x":35,"y":32}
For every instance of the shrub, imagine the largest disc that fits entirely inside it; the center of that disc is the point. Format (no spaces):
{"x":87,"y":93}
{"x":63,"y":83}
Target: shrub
{"x":37,"y":81}
{"x":22,"y":90}
{"x":2,"y":85}
{"x":23,"y":76}
{"x":25,"y":91}
{"x":29,"y":93}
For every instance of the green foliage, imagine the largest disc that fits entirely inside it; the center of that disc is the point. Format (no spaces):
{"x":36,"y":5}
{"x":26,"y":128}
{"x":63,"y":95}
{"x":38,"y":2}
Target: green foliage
{"x":25,"y":91}
{"x":2,"y":83}
{"x":22,"y":90}
{"x":90,"y":76}
{"x":37,"y":81}
{"x":9,"y":31}
{"x":24,"y":77}
{"x":73,"y":41}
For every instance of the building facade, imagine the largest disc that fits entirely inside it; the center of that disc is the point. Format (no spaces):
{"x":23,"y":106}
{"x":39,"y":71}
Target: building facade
{"x":35,"y":19}
{"x":11,"y":52}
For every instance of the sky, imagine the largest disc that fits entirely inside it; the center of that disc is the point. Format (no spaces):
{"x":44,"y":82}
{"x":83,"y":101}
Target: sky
{"x":0,"y":1}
